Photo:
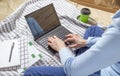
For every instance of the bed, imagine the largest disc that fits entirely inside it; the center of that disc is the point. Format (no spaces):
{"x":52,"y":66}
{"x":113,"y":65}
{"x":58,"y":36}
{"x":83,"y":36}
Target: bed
{"x":15,"y":26}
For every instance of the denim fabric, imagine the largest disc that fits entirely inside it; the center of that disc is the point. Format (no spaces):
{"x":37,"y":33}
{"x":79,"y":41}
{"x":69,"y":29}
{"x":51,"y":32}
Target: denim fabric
{"x":44,"y":71}
{"x":49,"y":71}
{"x":93,"y":31}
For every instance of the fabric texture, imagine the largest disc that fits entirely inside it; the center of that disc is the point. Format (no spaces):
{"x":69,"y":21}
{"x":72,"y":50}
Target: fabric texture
{"x":15,"y":26}
{"x":45,"y":71}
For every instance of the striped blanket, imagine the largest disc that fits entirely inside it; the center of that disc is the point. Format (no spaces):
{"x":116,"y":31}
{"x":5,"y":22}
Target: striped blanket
{"x":15,"y":26}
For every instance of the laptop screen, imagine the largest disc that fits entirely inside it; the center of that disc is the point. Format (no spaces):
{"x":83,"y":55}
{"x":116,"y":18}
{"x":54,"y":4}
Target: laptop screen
{"x":42,"y":21}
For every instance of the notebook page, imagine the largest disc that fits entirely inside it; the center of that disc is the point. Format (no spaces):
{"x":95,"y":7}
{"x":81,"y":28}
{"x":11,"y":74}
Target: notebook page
{"x":5,"y":52}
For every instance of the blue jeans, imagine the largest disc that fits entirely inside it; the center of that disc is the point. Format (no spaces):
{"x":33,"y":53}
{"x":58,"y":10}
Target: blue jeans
{"x":93,"y":31}
{"x":49,"y":71}
{"x":44,"y":71}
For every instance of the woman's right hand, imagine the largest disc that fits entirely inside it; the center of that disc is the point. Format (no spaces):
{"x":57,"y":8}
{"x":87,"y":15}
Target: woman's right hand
{"x":75,"y":40}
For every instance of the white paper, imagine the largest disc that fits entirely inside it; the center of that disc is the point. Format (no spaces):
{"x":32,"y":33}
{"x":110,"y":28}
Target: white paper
{"x":33,"y":50}
{"x":5,"y":49}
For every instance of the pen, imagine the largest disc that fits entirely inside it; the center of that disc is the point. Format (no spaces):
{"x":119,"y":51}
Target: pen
{"x":11,"y":50}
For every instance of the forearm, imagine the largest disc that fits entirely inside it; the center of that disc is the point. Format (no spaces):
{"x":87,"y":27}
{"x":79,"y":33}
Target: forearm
{"x":99,"y":56}
{"x":65,"y":53}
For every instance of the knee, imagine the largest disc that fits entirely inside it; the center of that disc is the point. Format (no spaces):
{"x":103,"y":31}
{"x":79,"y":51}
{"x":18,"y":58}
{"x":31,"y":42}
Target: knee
{"x":29,"y":72}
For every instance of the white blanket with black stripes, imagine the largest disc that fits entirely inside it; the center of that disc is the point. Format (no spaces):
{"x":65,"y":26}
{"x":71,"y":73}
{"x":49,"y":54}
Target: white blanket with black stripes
{"x":15,"y":26}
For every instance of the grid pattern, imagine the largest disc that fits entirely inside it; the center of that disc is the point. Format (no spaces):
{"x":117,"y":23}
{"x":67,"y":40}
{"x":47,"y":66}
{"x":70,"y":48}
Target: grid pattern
{"x":23,"y":51}
{"x":15,"y":26}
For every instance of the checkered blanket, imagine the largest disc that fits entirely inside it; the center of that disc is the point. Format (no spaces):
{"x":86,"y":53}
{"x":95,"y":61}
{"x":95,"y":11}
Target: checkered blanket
{"x":15,"y":26}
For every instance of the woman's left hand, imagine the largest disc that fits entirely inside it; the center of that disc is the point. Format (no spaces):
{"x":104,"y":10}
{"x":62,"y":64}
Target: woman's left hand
{"x":56,"y":43}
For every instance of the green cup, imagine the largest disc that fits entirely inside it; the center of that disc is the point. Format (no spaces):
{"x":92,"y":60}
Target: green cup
{"x":84,"y":18}
{"x":85,"y":12}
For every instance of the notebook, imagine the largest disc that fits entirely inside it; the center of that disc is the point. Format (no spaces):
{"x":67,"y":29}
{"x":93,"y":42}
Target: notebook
{"x":44,"y":23}
{"x":34,"y":54}
{"x":9,"y":54}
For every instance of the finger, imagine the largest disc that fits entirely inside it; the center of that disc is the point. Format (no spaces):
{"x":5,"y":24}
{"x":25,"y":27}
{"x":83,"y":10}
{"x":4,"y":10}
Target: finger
{"x":78,"y":35}
{"x":69,"y":40}
{"x":50,"y":44}
{"x":73,"y":46}
{"x":69,"y":35}
{"x":55,"y":37}
{"x":50,"y":39}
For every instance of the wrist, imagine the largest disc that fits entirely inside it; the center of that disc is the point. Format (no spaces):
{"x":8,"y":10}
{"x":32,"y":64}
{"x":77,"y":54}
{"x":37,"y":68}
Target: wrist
{"x":85,"y":42}
{"x":64,"y":48}
{"x":61,"y":48}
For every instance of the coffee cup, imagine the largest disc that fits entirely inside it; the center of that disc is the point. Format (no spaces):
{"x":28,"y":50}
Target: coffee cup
{"x":85,"y":12}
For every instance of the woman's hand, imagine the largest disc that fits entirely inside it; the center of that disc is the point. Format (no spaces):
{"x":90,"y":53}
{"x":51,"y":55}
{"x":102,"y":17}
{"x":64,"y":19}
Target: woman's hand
{"x":56,"y":43}
{"x":75,"y":40}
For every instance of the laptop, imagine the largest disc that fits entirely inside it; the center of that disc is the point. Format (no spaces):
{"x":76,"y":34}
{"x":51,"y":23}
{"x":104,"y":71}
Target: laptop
{"x":45,"y":23}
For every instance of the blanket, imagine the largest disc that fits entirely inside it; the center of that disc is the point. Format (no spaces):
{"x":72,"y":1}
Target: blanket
{"x":15,"y":26}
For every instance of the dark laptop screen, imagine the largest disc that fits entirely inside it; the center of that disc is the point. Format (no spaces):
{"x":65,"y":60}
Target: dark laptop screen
{"x":42,"y":20}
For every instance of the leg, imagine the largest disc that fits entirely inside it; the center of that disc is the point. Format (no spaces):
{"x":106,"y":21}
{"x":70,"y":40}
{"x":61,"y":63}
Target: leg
{"x":93,"y":31}
{"x":45,"y":71}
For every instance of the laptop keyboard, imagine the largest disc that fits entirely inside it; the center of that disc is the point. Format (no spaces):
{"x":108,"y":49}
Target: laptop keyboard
{"x":59,"y":32}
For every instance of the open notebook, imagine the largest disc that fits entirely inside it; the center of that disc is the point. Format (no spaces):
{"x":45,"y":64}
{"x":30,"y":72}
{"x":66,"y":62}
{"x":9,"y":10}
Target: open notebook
{"x":9,"y":53}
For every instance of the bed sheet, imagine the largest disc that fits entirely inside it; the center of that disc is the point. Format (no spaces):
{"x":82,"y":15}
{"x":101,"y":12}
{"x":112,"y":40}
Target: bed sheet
{"x":15,"y":26}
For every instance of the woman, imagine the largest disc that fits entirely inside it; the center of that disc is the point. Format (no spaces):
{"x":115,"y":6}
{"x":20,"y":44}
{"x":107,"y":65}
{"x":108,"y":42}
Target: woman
{"x":104,"y":55}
